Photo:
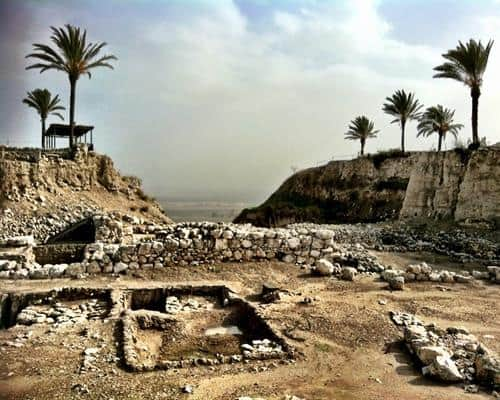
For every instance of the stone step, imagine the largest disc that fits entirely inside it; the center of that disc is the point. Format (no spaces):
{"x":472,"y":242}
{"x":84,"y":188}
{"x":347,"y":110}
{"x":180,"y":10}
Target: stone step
{"x":18,"y":254}
{"x":17,"y":241}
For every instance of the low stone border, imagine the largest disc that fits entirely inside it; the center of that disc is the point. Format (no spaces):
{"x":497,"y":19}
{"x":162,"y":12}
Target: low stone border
{"x":276,"y":348}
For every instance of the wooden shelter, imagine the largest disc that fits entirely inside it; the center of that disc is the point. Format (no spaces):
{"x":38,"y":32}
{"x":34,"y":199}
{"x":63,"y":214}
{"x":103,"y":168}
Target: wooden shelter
{"x":82,"y":133}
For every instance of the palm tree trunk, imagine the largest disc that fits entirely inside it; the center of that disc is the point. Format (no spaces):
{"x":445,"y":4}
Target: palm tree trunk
{"x":72,"y":83}
{"x":43,"y":133}
{"x":362,"y":147}
{"x":475,"y":93}
{"x":403,"y":123}
{"x":440,"y":141}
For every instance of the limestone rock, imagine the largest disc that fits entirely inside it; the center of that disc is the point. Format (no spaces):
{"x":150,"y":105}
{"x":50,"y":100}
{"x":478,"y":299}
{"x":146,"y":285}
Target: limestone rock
{"x":443,"y":368}
{"x":348,"y":273}
{"x":324,"y":267}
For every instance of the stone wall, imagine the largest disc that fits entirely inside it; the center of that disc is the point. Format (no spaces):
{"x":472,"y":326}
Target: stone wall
{"x":199,"y":243}
{"x":59,"y":254}
{"x":143,"y":247}
{"x":460,"y":185}
{"x":184,"y":244}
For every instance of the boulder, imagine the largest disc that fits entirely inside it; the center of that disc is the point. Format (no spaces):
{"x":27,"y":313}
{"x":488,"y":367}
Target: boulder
{"x":397,"y":283}
{"x":74,"y":269}
{"x":120,"y":267}
{"x":427,"y":354}
{"x":324,"y":234}
{"x":293,"y":243}
{"x":324,"y":267}
{"x":348,"y":273}
{"x":443,"y":368}
{"x":487,"y":368}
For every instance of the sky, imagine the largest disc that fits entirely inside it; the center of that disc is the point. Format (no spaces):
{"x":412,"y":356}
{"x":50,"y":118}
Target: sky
{"x":219,"y":99}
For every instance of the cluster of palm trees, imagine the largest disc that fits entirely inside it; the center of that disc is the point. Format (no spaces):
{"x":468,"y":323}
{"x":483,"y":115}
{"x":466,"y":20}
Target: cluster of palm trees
{"x":467,"y":64}
{"x":72,"y":55}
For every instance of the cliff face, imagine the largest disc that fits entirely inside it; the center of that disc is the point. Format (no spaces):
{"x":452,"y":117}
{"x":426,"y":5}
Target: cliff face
{"x":360,"y":190}
{"x":43,"y":192}
{"x":21,"y":172}
{"x":464,"y":186}
{"x":461,"y":185}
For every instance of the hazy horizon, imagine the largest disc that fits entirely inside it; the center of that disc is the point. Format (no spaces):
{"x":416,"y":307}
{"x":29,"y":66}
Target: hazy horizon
{"x":217,"y":100}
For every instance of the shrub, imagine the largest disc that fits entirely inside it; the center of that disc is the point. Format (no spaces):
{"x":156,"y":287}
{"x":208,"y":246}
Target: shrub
{"x":132,"y":180}
{"x":143,"y":196}
{"x":383,"y":155}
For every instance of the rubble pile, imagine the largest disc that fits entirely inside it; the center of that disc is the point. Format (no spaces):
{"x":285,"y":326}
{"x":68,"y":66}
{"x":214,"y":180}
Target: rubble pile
{"x":424,"y":272}
{"x":459,"y":244}
{"x":450,"y":355}
{"x":60,"y":314}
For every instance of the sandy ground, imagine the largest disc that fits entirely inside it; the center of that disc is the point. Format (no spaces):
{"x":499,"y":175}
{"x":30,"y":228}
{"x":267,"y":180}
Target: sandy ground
{"x":347,"y":346}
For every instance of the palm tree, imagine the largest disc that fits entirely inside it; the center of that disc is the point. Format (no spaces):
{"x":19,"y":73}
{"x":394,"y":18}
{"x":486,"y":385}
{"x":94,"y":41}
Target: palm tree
{"x":72,"y":55}
{"x":405,"y":107}
{"x":438,"y":119}
{"x":43,"y":102}
{"x":361,"y":128}
{"x":467,"y":64}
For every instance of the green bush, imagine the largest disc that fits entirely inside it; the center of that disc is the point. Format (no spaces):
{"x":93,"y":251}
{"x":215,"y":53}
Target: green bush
{"x":382,"y":155}
{"x":143,"y":196}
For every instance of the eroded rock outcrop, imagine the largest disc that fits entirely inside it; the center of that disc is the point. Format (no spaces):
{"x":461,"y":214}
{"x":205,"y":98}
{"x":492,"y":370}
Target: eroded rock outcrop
{"x":366,"y":189}
{"x":462,"y":185}
{"x":42,"y":193}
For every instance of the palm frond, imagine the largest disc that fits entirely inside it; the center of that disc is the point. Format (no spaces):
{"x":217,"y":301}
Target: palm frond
{"x":43,"y":102}
{"x":404,"y":106}
{"x":361,"y":128}
{"x":70,"y":52}
{"x":437,"y":119}
{"x":466,"y":63}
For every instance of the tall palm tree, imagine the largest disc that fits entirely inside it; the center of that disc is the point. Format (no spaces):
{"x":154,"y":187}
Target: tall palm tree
{"x":72,"y":55}
{"x":361,"y":128}
{"x":43,"y":102}
{"x":467,"y":64}
{"x":438,"y":119}
{"x":405,"y":107}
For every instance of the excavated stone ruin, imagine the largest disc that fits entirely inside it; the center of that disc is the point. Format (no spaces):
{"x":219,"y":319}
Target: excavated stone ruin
{"x":188,"y":326}
{"x":55,"y":306}
{"x":160,"y":328}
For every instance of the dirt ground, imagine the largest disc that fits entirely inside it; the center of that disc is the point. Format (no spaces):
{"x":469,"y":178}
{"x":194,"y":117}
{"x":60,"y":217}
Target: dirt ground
{"x":348,"y":349}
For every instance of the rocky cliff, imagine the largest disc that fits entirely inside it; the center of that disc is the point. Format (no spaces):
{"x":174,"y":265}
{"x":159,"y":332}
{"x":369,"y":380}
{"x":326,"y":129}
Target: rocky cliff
{"x":460,"y":185}
{"x":366,"y":189}
{"x":43,"y":192}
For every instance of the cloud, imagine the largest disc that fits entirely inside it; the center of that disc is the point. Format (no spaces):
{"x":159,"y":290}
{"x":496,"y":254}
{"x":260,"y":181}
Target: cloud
{"x":209,"y":99}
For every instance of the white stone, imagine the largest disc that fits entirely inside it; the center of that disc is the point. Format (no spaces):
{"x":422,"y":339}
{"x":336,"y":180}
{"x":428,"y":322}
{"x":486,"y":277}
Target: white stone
{"x":427,"y":354}
{"x":293,"y":243}
{"x":120,"y":267}
{"x":443,"y":368}
{"x":324,"y":267}
{"x":348,"y":273}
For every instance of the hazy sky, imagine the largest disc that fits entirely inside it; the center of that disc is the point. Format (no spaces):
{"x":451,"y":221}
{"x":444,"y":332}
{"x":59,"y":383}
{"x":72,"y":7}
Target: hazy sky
{"x":218,"y":99}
